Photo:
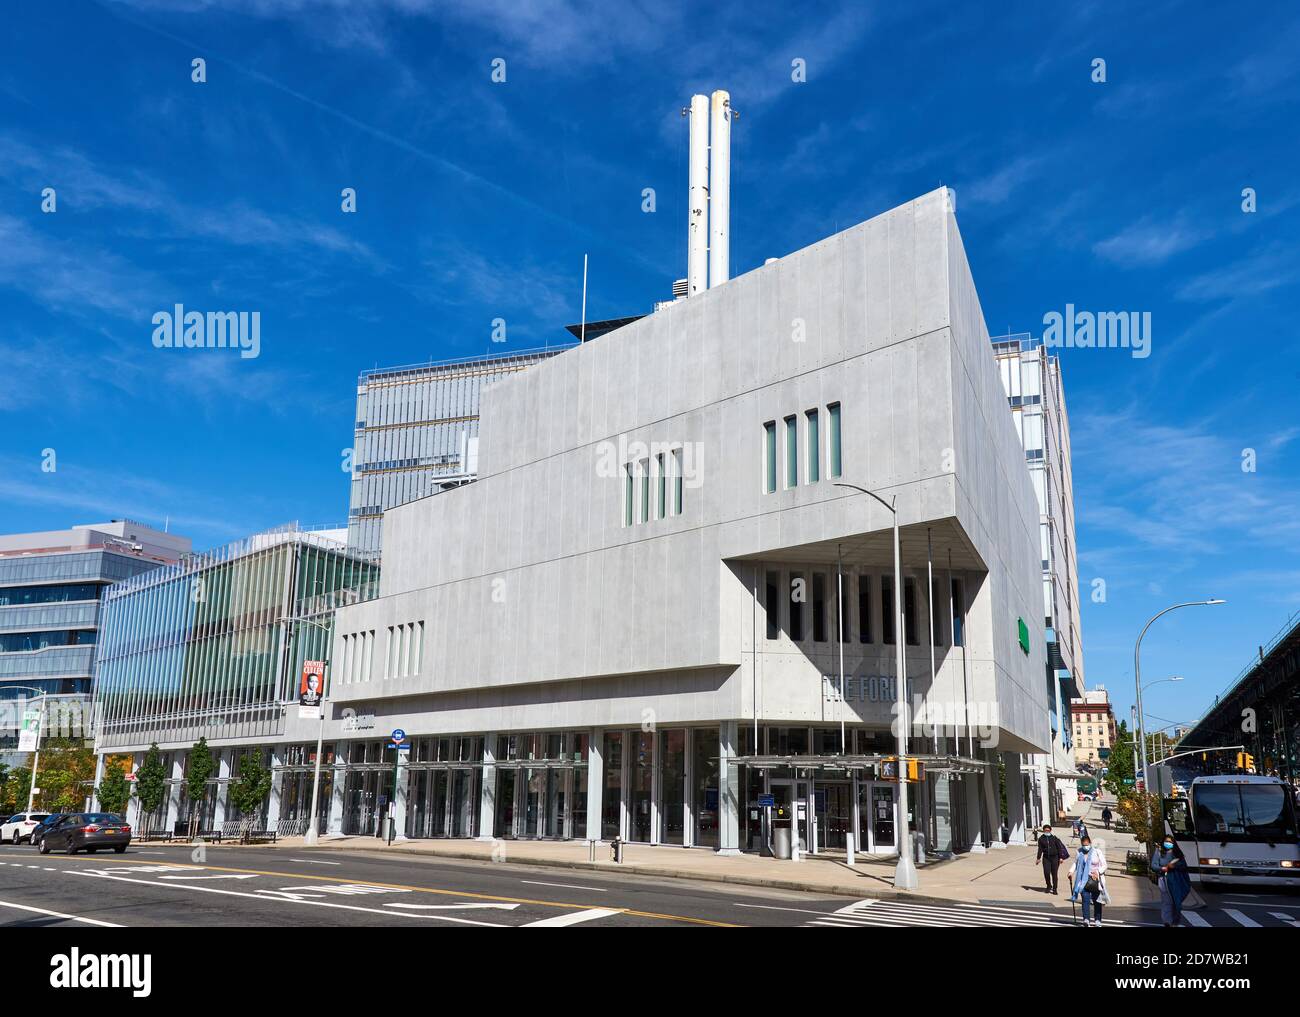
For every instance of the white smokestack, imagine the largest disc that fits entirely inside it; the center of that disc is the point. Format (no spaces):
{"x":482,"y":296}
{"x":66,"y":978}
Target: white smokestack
{"x":720,"y":190}
{"x":697,"y":245}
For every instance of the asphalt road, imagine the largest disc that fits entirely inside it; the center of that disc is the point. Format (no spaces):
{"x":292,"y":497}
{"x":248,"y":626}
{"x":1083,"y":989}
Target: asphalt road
{"x":169,"y":885}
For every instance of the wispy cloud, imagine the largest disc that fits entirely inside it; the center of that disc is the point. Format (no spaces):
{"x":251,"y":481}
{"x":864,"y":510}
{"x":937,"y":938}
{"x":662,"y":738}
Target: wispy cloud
{"x":1269,"y":268}
{"x":1149,"y":242}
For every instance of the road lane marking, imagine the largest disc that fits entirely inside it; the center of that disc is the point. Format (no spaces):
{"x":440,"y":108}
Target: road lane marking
{"x":60,"y":914}
{"x":313,"y":861}
{"x":559,"y":921}
{"x":224,"y":876}
{"x":1241,"y":919}
{"x":565,"y":886}
{"x":1192,"y":918}
{"x":263,"y":897}
{"x":568,"y":905}
{"x":449,"y":907}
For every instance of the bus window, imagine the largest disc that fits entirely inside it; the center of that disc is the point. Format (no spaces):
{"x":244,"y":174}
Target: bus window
{"x":1218,"y":810}
{"x":1178,"y":817}
{"x":1266,"y":811}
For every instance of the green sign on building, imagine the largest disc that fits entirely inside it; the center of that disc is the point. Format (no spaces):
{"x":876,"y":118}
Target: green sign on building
{"x":1024,"y":635}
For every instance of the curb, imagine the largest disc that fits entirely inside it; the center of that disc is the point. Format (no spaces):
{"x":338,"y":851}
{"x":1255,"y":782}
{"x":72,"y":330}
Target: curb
{"x":835,"y":890}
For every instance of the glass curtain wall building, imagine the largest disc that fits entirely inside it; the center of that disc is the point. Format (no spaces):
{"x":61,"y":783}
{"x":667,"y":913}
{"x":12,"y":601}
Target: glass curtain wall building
{"x":417,"y":431}
{"x":51,"y":589}
{"x":212,"y":646}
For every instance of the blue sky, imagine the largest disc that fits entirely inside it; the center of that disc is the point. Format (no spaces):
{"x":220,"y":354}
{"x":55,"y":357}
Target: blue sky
{"x":477,"y":200}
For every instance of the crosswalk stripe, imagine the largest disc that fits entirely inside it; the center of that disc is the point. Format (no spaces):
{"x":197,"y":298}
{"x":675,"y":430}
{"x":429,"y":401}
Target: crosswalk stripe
{"x":968,"y":914}
{"x":1285,"y":917}
{"x":1192,"y":918}
{"x":1241,"y":919}
{"x":573,"y":918}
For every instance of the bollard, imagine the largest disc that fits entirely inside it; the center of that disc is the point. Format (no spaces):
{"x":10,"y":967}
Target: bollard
{"x":848,"y":844}
{"x":591,"y":850}
{"x":617,"y":850}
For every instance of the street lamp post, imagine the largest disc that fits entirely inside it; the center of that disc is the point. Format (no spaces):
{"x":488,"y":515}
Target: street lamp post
{"x":40,"y":730}
{"x":905,"y":877}
{"x":1137,"y":676}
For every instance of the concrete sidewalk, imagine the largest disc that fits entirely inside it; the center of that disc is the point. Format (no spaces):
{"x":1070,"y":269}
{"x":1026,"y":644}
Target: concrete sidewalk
{"x":1004,"y":876}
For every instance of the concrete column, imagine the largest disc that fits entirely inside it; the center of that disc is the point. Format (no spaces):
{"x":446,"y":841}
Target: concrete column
{"x":595,"y":782}
{"x":944,"y":837}
{"x":174,"y":793}
{"x":974,"y":813}
{"x":728,"y":790}
{"x":273,"y":803}
{"x":334,"y":828}
{"x":99,"y":779}
{"x":1015,"y":796}
{"x":487,"y":802}
{"x":991,"y":801}
{"x":225,"y":764}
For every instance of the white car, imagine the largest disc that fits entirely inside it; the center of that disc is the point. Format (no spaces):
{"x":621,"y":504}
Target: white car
{"x":18,"y":828}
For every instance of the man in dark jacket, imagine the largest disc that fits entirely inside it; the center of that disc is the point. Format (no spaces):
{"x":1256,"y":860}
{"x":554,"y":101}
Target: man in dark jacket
{"x":1105,"y":816}
{"x":1051,"y":852}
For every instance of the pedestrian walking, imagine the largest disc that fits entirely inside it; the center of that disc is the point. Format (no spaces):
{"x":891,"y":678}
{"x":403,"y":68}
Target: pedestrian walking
{"x":1051,"y":852}
{"x":1106,"y":816}
{"x":1169,"y":872}
{"x":1089,"y":881}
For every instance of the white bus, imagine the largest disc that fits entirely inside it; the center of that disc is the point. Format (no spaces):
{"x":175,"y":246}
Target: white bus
{"x":1237,"y":829}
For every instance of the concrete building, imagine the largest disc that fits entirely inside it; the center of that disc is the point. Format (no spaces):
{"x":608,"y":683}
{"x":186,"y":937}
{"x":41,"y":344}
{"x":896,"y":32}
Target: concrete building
{"x":1035,"y":392}
{"x":1093,"y":723}
{"x":417,"y":431}
{"x":212,"y":647}
{"x":51,"y":593}
{"x":630,"y":620}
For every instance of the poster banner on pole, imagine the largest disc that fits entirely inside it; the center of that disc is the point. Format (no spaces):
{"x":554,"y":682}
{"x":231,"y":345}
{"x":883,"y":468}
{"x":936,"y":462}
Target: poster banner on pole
{"x":311,"y":687}
{"x":29,"y":735}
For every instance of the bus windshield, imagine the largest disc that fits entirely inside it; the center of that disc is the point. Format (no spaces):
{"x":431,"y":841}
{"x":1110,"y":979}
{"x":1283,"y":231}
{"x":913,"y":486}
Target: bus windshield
{"x":1244,"y":812}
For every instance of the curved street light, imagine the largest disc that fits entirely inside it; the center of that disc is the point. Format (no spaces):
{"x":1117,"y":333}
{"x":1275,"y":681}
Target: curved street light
{"x":1137,"y":674}
{"x":905,"y":877}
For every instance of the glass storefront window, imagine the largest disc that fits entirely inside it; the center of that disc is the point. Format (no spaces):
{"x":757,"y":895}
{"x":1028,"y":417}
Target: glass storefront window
{"x":641,"y":786}
{"x":672,"y":814}
{"x":612,"y":797}
{"x":704,"y":795}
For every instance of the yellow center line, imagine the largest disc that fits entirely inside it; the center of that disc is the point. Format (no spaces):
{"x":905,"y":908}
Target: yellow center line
{"x":427,"y":889}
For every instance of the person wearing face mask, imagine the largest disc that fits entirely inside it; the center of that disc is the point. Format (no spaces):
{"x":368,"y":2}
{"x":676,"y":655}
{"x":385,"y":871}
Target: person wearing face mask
{"x":1089,"y":882}
{"x":1051,"y":852}
{"x":1169,"y":870}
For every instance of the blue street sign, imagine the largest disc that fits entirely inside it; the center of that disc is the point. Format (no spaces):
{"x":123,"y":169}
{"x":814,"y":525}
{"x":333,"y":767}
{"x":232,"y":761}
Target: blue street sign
{"x":766,"y":801}
{"x":399,"y":735}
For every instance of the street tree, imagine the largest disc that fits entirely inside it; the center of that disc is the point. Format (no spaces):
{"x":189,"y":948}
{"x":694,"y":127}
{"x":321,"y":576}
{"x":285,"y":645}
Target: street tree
{"x":150,"y":785}
{"x":67,"y":773}
{"x":114,"y":790}
{"x":249,"y":789}
{"x":198,"y":771}
{"x":1120,"y":766}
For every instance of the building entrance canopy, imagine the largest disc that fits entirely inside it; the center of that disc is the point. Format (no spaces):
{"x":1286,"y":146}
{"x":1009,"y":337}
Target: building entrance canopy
{"x":827,"y":766}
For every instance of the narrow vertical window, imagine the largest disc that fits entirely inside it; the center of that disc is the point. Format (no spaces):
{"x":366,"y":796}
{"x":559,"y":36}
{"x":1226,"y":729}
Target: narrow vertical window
{"x":677,"y":481}
{"x":958,"y":614}
{"x":798,"y":594}
{"x":772,"y":604}
{"x":864,"y":609}
{"x":819,"y":607}
{"x":645,"y":490}
{"x":836,"y":464}
{"x":842,"y":595}
{"x":936,"y":611}
{"x":814,"y":447}
{"x":909,"y":611}
{"x":888,"y":616}
{"x":769,"y":452}
{"x":663,"y":487}
{"x":627,"y":495}
{"x":791,"y":452}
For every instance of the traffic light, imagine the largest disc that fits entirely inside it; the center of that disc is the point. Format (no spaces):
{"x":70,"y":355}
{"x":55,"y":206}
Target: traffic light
{"x":888,"y":769}
{"x":1246,"y":762}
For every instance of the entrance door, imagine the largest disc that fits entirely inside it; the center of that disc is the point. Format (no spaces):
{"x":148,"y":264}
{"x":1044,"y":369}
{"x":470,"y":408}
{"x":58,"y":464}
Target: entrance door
{"x":879,"y":822}
{"x":834,"y":815}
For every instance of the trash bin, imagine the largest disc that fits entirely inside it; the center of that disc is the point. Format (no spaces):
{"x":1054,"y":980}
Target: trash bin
{"x":918,"y":847}
{"x":781,"y":842}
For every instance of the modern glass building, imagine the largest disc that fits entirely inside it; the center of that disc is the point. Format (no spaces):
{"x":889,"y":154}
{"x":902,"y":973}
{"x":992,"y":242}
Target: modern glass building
{"x":417,"y":431}
{"x":52,"y":585}
{"x":212,"y":647}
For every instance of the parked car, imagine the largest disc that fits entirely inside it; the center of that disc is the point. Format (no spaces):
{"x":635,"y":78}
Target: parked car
{"x":88,"y":831}
{"x":44,"y":825}
{"x":17,"y":829}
